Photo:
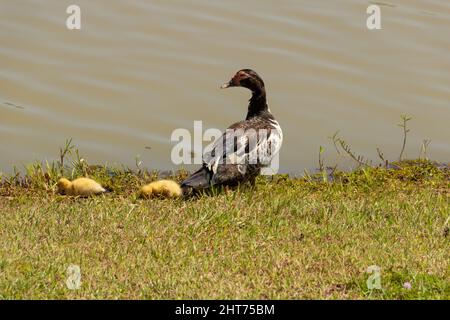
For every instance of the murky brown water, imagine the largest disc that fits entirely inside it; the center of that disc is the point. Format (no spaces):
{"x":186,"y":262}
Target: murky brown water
{"x":140,"y":69}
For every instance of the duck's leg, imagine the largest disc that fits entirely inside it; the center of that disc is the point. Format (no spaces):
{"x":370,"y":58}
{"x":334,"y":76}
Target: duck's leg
{"x":227,"y":190}
{"x":252,"y":181}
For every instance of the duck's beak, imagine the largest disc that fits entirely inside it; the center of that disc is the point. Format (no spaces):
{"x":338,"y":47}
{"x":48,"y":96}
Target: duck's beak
{"x":226,"y":85}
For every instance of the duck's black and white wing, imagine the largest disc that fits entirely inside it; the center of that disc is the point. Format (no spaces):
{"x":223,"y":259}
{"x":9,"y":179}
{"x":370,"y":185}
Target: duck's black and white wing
{"x":269,"y":144}
{"x":244,"y":149}
{"x":216,"y":168}
{"x":246,"y":143}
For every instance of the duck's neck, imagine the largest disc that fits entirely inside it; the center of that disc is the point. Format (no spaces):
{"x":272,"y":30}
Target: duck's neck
{"x":257,"y":104}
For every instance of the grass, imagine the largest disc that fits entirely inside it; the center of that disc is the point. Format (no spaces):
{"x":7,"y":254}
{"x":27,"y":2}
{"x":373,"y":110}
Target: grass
{"x":288,"y":238}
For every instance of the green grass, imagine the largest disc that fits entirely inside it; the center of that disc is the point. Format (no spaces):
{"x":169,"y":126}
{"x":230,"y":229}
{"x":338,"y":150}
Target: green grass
{"x":288,"y":238}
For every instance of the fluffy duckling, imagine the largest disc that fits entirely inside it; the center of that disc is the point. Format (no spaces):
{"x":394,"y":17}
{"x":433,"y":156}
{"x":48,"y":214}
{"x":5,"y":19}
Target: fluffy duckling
{"x":161,"y":188}
{"x":83,"y":187}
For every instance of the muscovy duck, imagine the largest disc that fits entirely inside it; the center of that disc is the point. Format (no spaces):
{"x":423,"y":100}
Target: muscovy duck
{"x":246,"y":146}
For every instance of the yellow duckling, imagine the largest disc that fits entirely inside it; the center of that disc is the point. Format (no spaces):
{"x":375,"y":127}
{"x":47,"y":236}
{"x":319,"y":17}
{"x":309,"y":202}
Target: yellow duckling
{"x":161,"y":188}
{"x":83,"y":187}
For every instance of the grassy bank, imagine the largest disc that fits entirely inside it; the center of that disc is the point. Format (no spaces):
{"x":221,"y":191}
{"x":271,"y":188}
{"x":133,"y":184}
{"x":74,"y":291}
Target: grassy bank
{"x":287,"y":238}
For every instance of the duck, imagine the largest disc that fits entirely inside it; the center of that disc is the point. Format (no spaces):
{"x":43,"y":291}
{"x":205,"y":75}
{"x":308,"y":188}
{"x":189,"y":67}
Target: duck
{"x":242,"y":151}
{"x":83,"y":187}
{"x":161,"y":188}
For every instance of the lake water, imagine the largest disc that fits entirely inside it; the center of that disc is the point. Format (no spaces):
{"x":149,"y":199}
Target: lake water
{"x":137,"y":70}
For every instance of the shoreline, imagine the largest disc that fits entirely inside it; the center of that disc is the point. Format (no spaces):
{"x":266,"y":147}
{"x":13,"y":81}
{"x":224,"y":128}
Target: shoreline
{"x":287,"y":238}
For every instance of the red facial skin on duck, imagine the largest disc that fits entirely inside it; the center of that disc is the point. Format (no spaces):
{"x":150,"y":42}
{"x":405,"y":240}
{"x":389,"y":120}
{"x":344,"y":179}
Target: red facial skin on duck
{"x":241,"y":75}
{"x":236,"y":80}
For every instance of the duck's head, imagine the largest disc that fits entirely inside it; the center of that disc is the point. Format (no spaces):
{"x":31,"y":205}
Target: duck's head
{"x":246,"y":78}
{"x":62,"y":185}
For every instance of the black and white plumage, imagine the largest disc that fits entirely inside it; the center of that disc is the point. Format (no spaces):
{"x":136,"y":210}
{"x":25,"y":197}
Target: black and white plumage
{"x":246,"y":146}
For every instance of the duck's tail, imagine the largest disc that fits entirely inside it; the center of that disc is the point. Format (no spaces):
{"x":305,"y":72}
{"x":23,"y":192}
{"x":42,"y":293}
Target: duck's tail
{"x":199,"y":180}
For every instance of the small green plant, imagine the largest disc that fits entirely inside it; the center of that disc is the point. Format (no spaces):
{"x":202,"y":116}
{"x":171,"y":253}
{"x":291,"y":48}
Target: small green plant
{"x":322,"y":168}
{"x":358,"y":158}
{"x":63,"y":152}
{"x":340,"y":142}
{"x":138,"y":163}
{"x":403,"y":125}
{"x":52,"y":171}
{"x":79,"y":164}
